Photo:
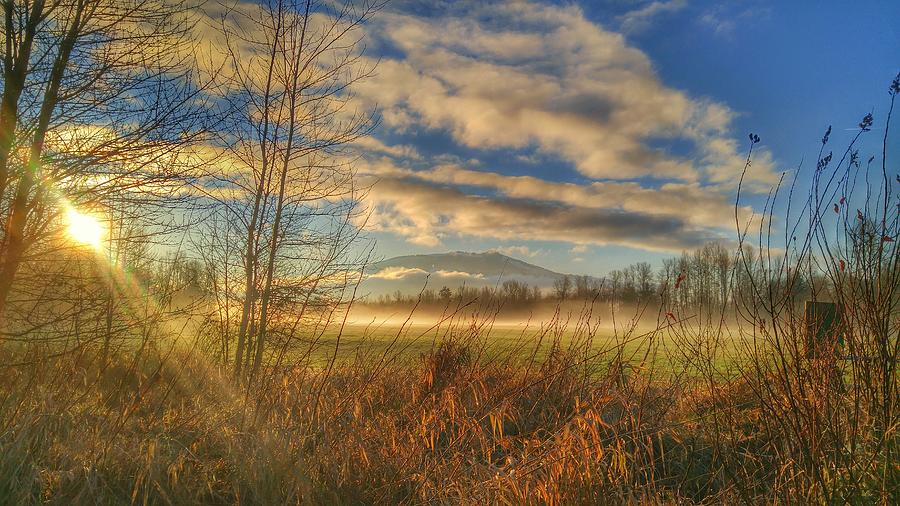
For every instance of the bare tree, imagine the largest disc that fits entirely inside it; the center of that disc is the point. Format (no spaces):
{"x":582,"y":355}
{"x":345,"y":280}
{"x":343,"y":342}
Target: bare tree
{"x":287,"y":193}
{"x":563,"y":287}
{"x":100,"y":100}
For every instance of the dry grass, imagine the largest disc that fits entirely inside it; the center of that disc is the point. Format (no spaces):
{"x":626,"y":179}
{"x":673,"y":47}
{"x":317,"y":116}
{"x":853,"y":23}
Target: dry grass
{"x":741,"y":411}
{"x":583,"y":425}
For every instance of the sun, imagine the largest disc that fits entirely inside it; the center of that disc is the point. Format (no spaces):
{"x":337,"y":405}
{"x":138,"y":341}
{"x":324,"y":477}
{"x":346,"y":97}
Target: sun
{"x":85,"y":229}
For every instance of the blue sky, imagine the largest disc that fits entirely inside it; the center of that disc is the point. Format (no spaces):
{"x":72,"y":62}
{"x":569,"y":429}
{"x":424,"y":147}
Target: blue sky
{"x":587,"y":136}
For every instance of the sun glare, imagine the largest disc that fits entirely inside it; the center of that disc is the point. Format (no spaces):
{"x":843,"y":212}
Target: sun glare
{"x":85,"y":229}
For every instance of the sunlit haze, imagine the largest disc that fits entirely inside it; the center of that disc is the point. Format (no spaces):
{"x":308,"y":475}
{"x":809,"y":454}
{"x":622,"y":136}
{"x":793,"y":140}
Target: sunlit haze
{"x":85,"y":229}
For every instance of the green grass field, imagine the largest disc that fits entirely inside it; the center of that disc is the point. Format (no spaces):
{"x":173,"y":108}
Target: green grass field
{"x":499,"y":343}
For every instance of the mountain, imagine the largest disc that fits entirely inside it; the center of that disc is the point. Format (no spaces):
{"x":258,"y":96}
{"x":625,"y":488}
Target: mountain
{"x":409,"y":273}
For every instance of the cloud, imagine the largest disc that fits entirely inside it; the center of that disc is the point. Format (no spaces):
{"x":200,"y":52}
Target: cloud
{"x":457,"y":275}
{"x":719,"y":26}
{"x":723,"y":19}
{"x":370,"y":144}
{"x":426,"y":206}
{"x":689,"y":202}
{"x":579,"y":248}
{"x":518,"y":75}
{"x":400,"y":273}
{"x":396,"y":273}
{"x":519,"y":251}
{"x":425,"y":214}
{"x":640,"y":19}
{"x":547,"y":85}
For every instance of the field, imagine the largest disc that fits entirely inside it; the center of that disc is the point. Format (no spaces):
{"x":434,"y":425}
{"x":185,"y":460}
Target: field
{"x":424,"y":252}
{"x":497,"y":342}
{"x":632,"y":335}
{"x":458,"y":411}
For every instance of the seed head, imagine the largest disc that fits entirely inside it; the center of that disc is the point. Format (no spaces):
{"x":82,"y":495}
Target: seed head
{"x":866,"y":123}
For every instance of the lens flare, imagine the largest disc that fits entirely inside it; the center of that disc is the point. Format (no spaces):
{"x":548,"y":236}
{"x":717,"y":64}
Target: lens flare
{"x":85,"y":229}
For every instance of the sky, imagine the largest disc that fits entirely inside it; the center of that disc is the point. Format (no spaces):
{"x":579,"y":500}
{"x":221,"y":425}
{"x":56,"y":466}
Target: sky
{"x":585,"y":136}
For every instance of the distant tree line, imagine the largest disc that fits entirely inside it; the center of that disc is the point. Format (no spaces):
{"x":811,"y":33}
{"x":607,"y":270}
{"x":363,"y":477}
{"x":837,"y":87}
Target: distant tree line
{"x":710,"y":276}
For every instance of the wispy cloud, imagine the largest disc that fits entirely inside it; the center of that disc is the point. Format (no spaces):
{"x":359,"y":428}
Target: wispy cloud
{"x":719,"y":25}
{"x":518,"y":251}
{"x":640,"y":19}
{"x":724,"y":19}
{"x":370,"y":144}
{"x":396,"y":273}
{"x":401,"y":273}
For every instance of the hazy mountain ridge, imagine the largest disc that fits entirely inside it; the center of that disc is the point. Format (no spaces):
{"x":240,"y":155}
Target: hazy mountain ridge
{"x":488,"y":264}
{"x":409,"y":273}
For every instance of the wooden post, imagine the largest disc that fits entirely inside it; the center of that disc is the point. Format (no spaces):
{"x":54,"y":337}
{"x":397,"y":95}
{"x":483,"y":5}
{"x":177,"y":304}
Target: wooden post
{"x":823,"y":323}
